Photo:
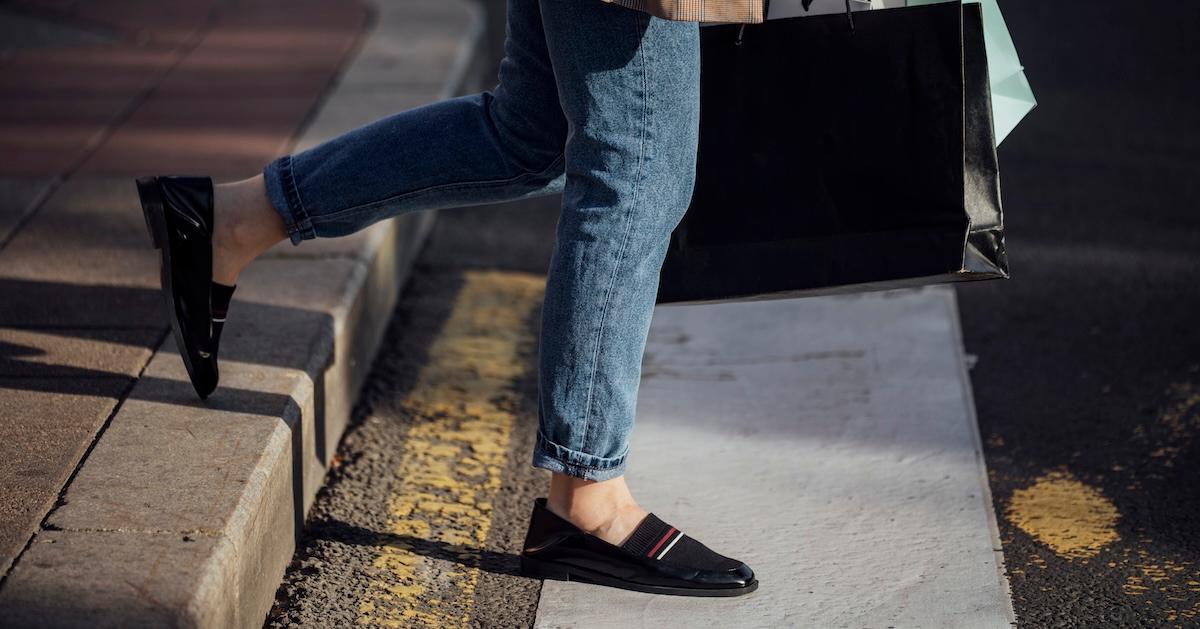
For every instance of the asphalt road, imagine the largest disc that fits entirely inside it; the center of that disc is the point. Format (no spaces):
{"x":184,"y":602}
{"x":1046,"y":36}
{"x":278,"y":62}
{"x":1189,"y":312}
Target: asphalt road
{"x":1088,"y":376}
{"x":1088,"y":379}
{"x":341,"y":562}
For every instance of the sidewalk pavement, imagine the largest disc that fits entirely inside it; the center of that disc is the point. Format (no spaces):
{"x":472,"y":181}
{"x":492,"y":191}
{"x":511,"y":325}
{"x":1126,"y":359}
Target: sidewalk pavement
{"x":831,"y":443}
{"x":126,"y":502}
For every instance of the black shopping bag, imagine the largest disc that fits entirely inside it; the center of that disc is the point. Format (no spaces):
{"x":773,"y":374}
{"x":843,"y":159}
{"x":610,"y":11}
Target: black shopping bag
{"x":836,"y":160}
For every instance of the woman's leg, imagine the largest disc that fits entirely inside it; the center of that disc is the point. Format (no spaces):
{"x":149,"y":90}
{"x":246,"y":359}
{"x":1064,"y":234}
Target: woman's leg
{"x":629,"y":87}
{"x":626,"y":87}
{"x":487,"y":147}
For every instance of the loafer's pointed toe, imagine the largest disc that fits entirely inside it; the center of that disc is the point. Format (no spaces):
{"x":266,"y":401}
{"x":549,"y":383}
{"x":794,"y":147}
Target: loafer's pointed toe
{"x":742,"y":575}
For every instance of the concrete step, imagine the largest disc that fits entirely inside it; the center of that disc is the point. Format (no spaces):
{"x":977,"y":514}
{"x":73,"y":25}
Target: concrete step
{"x":186,"y":513}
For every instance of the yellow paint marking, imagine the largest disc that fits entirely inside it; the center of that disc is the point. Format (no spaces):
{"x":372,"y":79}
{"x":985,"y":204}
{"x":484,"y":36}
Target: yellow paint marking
{"x":1076,"y":521}
{"x":441,"y":508}
{"x":1174,"y":600}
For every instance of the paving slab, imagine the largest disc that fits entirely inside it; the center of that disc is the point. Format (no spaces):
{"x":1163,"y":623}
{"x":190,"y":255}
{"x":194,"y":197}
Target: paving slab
{"x":226,"y":469}
{"x":57,"y":387}
{"x":45,"y":426}
{"x":382,"y":59}
{"x":46,"y":135}
{"x":250,"y":54}
{"x":236,"y":99}
{"x":239,"y":466}
{"x":246,"y":463}
{"x":310,"y":34}
{"x":60,"y":101}
{"x":205,"y":453}
{"x":240,"y":469}
{"x":23,"y":30}
{"x":75,"y":352}
{"x":401,"y":64}
{"x":158,"y":23}
{"x":112,"y":70}
{"x":222,"y":135}
{"x":160,"y":585}
{"x":267,"y":374}
{"x":19,"y":197}
{"x":84,"y":260}
{"x":828,"y":442}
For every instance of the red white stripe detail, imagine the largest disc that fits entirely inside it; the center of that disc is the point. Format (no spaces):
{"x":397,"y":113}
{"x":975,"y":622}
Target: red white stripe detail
{"x":666,"y":535}
{"x":669,"y":546}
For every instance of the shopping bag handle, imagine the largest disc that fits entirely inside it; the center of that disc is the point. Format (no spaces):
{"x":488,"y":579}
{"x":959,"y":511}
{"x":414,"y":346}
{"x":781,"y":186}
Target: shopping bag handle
{"x":803,"y":3}
{"x":849,"y":14}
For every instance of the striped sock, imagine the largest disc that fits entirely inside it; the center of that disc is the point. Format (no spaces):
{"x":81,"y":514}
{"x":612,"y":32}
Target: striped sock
{"x":659,"y":541}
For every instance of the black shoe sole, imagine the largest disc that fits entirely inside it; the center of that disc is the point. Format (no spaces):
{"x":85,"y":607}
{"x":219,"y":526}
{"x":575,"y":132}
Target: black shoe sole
{"x":549,"y":570}
{"x":156,"y":225}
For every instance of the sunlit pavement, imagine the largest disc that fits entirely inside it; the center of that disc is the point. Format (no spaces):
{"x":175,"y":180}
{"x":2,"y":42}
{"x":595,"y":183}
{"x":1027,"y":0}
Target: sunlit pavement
{"x":831,"y":444}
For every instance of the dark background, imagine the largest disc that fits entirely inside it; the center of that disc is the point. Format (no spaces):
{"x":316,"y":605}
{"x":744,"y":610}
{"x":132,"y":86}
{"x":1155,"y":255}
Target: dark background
{"x":1089,"y":357}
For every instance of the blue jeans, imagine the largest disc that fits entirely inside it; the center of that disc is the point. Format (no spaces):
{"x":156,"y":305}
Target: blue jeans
{"x":595,"y":101}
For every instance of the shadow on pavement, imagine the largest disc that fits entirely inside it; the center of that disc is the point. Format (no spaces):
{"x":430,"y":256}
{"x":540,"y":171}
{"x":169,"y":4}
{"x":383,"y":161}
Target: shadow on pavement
{"x":504,"y":564}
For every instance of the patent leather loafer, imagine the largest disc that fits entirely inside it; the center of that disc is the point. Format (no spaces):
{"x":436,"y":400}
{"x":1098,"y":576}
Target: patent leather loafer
{"x":179,"y":217}
{"x":657,"y":558}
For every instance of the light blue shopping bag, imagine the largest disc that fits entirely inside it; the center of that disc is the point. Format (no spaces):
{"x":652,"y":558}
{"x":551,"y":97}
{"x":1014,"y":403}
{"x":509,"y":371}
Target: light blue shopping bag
{"x":1012,"y":97}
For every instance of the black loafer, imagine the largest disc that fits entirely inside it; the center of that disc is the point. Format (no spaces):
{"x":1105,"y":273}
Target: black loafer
{"x":657,"y":558}
{"x":179,"y":216}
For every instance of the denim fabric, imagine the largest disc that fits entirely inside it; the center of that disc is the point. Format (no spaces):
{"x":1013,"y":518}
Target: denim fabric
{"x":595,"y":101}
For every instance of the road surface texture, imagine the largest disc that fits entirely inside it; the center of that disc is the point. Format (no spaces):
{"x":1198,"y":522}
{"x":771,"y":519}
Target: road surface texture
{"x":1088,"y":379}
{"x":449,"y":408}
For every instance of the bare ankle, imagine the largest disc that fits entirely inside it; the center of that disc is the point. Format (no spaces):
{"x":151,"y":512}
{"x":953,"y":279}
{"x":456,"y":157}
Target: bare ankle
{"x":228,"y":260}
{"x":245,"y":226}
{"x":605,"y":509}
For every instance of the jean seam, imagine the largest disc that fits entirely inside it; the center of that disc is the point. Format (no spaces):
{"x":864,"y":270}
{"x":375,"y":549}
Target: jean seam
{"x":484,"y":183}
{"x":587,"y":409}
{"x":302,"y":222}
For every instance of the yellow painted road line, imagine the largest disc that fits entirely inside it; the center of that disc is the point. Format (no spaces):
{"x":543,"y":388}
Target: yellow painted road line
{"x":462,"y":403}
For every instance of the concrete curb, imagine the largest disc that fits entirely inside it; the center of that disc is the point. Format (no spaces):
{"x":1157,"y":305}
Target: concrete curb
{"x":985,"y":489}
{"x":186,"y":513}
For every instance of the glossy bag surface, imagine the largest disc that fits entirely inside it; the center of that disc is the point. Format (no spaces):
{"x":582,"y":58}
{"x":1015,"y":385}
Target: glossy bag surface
{"x":833,"y":160}
{"x":1012,"y":96}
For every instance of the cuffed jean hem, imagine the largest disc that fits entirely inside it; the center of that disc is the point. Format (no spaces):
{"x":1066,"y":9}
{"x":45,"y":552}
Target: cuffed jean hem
{"x":551,"y":456}
{"x":285,"y":198}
